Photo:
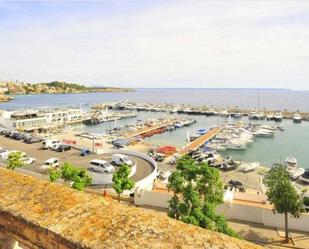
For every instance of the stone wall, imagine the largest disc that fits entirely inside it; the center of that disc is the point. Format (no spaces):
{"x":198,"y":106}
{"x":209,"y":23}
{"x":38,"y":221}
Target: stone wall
{"x":40,"y":214}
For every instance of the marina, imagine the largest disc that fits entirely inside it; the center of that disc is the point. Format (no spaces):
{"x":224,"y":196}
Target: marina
{"x":124,"y":121}
{"x":236,"y":141}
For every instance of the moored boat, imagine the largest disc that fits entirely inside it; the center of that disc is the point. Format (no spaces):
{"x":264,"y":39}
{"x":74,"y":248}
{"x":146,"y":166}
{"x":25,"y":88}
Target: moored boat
{"x":247,"y":167}
{"x":297,"y":118}
{"x":278,"y":117}
{"x":292,"y":168}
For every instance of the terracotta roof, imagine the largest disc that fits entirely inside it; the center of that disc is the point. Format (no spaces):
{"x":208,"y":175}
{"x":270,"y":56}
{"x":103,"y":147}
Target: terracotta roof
{"x":91,"y":221}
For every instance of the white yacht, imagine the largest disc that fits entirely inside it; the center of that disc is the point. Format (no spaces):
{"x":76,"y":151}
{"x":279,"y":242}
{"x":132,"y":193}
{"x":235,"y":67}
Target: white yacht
{"x":270,"y":116}
{"x":297,"y":118}
{"x":178,"y":124}
{"x":278,"y":116}
{"x":221,"y":147}
{"x":224,"y":113}
{"x":247,"y":167}
{"x":234,"y":144}
{"x":254,"y":114}
{"x":263,"y":133}
{"x":292,"y":168}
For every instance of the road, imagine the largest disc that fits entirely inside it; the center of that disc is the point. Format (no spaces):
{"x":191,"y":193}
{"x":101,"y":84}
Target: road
{"x":143,"y":169}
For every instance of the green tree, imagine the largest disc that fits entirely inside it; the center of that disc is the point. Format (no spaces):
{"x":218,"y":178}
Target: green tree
{"x":282,"y":194}
{"x":122,"y":181}
{"x":77,"y":178}
{"x":15,"y":160}
{"x":197,"y":191}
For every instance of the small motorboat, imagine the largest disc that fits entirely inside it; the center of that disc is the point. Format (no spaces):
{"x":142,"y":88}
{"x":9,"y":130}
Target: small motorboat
{"x":263,"y":133}
{"x":270,"y":116}
{"x":292,"y":168}
{"x":236,"y":145}
{"x":178,"y":124}
{"x":227,"y":167}
{"x":201,"y":131}
{"x":297,"y":118}
{"x":278,"y":117}
{"x":221,"y":147}
{"x":229,"y":164}
{"x":280,"y":128}
{"x":247,"y":167}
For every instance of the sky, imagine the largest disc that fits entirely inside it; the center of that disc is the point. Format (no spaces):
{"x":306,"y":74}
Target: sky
{"x":202,"y":44}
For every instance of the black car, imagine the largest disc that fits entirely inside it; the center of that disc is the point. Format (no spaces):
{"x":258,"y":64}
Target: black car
{"x":63,"y":147}
{"x":17,"y":136}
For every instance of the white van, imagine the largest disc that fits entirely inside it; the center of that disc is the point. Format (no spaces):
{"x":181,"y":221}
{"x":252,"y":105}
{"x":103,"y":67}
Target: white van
{"x":101,"y":166}
{"x":4,"y":154}
{"x":120,"y":159}
{"x":49,"y":143}
{"x":51,"y":163}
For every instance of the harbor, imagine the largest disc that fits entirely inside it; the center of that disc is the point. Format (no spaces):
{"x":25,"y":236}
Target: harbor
{"x":233,"y":140}
{"x":129,"y":125}
{"x":235,"y":112}
{"x":227,"y":142}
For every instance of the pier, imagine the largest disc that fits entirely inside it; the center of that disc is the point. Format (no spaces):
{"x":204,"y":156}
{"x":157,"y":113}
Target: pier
{"x":151,"y":129}
{"x":201,"y":140}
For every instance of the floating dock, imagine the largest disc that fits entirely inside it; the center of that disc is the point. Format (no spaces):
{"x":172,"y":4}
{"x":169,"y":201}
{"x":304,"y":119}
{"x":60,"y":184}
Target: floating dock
{"x":194,"y":145}
{"x":150,"y":129}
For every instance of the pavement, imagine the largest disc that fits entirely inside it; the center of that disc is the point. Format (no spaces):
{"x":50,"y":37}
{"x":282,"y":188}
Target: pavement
{"x":143,"y":169}
{"x":270,"y":237}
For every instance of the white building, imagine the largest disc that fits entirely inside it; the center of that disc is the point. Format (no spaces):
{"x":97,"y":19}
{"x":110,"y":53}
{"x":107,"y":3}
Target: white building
{"x":40,"y":119}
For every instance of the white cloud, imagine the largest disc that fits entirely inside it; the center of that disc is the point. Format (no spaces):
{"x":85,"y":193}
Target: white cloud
{"x":177,"y":44}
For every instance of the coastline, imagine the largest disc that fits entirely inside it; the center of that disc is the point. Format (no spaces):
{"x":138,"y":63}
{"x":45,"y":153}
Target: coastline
{"x":108,"y":90}
{"x":5,"y":98}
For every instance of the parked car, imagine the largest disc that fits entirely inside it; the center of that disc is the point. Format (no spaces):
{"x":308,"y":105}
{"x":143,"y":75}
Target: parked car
{"x":7,"y":133}
{"x":23,"y":154}
{"x":51,"y":163}
{"x":4,"y":154}
{"x":25,"y":136}
{"x":159,"y":157}
{"x":85,"y":152}
{"x":28,"y":160}
{"x":120,"y":143}
{"x":56,"y":146}
{"x":101,"y":166}
{"x":32,"y":140}
{"x":17,"y":136}
{"x":63,"y":147}
{"x":119,"y":159}
{"x":49,"y":143}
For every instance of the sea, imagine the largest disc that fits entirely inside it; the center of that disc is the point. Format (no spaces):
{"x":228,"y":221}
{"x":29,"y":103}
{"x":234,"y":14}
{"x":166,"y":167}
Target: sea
{"x":293,"y":141}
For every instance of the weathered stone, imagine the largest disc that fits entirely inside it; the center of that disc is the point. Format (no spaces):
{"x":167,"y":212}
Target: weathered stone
{"x":41,"y":214}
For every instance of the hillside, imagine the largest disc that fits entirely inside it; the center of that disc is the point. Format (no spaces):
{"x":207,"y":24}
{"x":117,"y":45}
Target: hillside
{"x":55,"y":87}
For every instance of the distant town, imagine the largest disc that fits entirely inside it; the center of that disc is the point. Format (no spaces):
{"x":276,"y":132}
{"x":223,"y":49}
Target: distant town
{"x":56,"y":87}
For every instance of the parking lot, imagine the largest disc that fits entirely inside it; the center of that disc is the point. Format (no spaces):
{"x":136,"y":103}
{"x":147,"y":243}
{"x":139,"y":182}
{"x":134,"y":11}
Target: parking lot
{"x":144,"y":168}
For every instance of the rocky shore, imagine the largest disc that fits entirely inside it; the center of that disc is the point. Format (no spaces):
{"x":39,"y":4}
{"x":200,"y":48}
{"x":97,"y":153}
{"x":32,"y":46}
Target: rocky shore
{"x":5,"y":98}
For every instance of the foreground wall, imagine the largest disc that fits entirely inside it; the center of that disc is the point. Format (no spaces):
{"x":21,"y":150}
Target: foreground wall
{"x":257,"y":212}
{"x":41,"y":214}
